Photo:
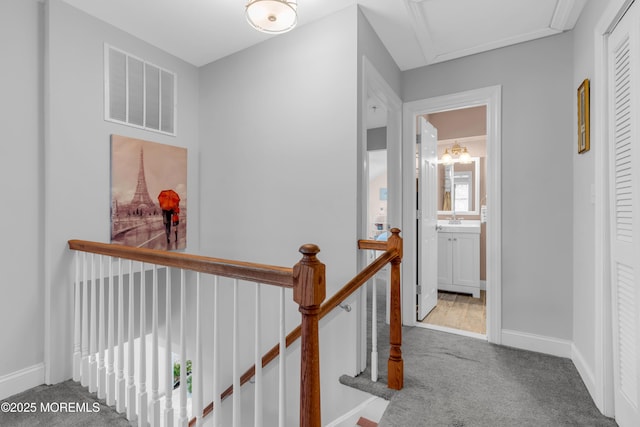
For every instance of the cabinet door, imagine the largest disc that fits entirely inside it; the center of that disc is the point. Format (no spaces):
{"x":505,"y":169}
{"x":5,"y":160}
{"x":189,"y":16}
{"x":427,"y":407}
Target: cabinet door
{"x":445,"y":261}
{"x":466,"y":259}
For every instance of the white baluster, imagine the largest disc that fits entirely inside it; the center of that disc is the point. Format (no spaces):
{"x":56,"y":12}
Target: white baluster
{"x":131,"y":384}
{"x":282,"y":378}
{"x":111,"y":375}
{"x":93,"y":366}
{"x":168,"y":410}
{"x":154,"y":406}
{"x":374,"y":332}
{"x":236,"y":355}
{"x":84,"y":378}
{"x":198,"y":365}
{"x":183,"y":421}
{"x":258,"y":362}
{"x":216,"y":356}
{"x":77,"y":327}
{"x":120,"y":382}
{"x":142,"y":393}
{"x":101,"y":341}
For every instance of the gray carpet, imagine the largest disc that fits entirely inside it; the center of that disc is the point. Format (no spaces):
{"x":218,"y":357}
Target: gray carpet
{"x":455,"y":381}
{"x":85,"y":409}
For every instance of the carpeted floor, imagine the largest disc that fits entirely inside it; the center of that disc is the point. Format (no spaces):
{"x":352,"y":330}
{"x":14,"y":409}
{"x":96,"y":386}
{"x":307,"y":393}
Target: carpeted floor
{"x":66,"y":404}
{"x":456,"y":381}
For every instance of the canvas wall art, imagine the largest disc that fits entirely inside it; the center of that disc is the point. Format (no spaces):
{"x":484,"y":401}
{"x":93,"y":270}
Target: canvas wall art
{"x":148,"y":194}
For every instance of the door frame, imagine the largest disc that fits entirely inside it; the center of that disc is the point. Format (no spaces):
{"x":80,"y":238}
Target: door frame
{"x":374,"y":84}
{"x":491,"y":97}
{"x":603,"y":381}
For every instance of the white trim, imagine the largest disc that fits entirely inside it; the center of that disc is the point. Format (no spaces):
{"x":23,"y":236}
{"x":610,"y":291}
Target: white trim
{"x":19,"y":381}
{"x":374,"y":84}
{"x":452,"y":330}
{"x":353,"y":412}
{"x":537,"y":343}
{"x":586,"y":374}
{"x":491,"y":97}
{"x":602,"y":392}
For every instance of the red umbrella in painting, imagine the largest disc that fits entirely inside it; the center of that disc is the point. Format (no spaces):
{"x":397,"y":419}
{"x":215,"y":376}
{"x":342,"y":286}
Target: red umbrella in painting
{"x":169,"y":200}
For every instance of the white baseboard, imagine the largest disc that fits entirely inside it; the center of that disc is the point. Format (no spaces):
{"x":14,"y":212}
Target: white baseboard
{"x":586,"y":374}
{"x":19,"y":381}
{"x":538,"y":343}
{"x":352,"y":413}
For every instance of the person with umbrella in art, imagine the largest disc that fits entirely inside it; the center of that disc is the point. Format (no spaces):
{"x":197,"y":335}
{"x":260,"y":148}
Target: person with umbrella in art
{"x":170,"y":205}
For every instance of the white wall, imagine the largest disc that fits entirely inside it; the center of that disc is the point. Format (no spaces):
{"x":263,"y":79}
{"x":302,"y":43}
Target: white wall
{"x":537,"y":172}
{"x":77,"y":154}
{"x":21,"y":291}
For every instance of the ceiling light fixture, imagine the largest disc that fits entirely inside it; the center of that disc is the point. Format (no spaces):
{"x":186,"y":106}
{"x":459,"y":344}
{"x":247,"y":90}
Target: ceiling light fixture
{"x":272,"y":16}
{"x":456,"y":150}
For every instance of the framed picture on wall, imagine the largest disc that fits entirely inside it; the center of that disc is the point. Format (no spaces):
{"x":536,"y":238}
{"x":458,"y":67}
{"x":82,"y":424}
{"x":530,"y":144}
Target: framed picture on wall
{"x":583,"y":117}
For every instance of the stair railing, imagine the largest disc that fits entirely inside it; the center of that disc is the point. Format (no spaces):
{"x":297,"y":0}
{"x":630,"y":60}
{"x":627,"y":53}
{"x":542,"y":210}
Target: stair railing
{"x":391,"y":254}
{"x":306,"y":278}
{"x":113,"y":379}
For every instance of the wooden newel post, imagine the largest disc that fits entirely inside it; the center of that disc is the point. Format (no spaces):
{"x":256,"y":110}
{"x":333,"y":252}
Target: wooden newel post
{"x":309,"y":291}
{"x":395,"y":365}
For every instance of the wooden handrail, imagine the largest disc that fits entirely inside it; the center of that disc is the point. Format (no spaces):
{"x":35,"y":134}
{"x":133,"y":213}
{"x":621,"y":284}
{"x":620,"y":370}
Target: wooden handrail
{"x":260,"y":273}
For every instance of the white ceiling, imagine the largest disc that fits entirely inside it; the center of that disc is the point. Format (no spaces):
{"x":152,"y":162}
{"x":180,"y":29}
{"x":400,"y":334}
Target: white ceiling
{"x":415,"y":32}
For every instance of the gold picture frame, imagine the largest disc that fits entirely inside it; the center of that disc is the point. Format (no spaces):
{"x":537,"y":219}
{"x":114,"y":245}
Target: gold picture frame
{"x":583,"y":117}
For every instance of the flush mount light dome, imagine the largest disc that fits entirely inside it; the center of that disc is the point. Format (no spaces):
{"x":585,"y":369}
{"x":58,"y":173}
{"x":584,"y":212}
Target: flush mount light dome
{"x":272,"y":16}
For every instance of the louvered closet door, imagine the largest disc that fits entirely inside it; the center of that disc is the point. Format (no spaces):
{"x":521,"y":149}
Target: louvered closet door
{"x":624,"y":111}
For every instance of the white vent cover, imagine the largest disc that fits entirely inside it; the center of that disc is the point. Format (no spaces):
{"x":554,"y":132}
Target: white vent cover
{"x":138,"y":93}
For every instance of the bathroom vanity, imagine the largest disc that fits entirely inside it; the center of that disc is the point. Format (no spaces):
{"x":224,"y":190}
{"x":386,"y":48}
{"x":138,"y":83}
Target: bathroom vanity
{"x":459,"y":257}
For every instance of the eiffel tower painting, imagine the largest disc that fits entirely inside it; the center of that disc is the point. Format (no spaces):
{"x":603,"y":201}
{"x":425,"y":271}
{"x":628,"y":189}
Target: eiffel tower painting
{"x":140,"y":171}
{"x":141,"y":199}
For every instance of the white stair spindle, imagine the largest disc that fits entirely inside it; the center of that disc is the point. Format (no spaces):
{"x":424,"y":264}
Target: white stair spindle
{"x":168,"y":409}
{"x":120,"y":382}
{"x":84,"y":378}
{"x":101,"y":341}
{"x":236,"y":355}
{"x":142,"y":392}
{"x":282,"y":378}
{"x":154,"y":406}
{"x":198,"y":365}
{"x":93,"y":366}
{"x":258,"y":414}
{"x":111,"y":375}
{"x":216,"y":356}
{"x":183,"y":421}
{"x":374,"y":332}
{"x":131,"y":384}
{"x":77,"y":327}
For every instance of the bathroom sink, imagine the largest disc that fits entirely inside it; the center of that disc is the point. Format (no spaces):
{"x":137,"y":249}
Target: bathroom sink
{"x":459,"y":226}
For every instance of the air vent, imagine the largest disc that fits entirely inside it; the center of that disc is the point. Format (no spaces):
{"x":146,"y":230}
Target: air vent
{"x":138,"y":93}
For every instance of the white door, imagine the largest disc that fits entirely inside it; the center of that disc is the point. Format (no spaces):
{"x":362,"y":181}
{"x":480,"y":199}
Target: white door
{"x":427,"y":220}
{"x":624,"y":176}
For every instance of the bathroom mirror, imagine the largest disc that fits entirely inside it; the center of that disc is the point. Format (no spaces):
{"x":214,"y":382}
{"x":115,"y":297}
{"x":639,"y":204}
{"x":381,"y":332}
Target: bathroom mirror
{"x":459,"y":188}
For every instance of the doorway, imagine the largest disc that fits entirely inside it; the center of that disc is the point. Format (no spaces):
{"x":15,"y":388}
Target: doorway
{"x":460,"y":194}
{"x":489,"y":99}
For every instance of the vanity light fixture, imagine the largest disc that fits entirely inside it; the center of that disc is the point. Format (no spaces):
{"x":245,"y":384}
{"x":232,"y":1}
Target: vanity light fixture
{"x":272,"y":16}
{"x":456,"y":150}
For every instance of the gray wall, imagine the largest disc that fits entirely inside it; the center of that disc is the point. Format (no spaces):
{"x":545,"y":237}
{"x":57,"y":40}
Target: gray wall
{"x":77,"y":153}
{"x":278,"y":134}
{"x":377,"y":139}
{"x":584,"y":293}
{"x":21,"y":161}
{"x":537,"y":172}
